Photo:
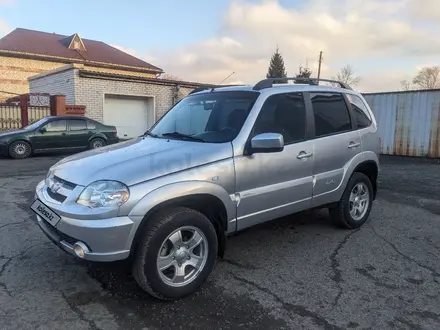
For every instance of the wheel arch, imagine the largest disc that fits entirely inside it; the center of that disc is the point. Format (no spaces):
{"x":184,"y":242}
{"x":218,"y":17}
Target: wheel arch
{"x":371,"y":169}
{"x":98,"y":136}
{"x":209,"y":205}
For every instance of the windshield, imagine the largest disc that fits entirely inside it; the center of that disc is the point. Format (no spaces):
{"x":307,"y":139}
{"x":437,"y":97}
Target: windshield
{"x":215,"y":117}
{"x":35,"y":124}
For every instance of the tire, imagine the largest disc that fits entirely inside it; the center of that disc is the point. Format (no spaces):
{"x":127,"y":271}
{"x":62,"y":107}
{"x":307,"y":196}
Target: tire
{"x":20,"y":150}
{"x":341,"y":215}
{"x":96,"y":143}
{"x":158,"y":229}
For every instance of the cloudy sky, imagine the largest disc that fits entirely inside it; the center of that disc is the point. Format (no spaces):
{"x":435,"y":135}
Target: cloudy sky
{"x":385,"y":41}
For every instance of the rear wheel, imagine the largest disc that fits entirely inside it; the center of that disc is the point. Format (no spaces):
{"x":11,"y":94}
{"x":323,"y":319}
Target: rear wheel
{"x":20,"y":150}
{"x":96,"y":143}
{"x":176,"y":253}
{"x":354,"y":208}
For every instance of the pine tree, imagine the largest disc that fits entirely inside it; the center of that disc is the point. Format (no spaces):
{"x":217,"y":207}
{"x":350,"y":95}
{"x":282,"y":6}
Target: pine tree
{"x":276,"y":67}
{"x":303,"y":73}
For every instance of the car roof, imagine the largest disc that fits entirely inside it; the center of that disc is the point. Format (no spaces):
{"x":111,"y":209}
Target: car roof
{"x":69,"y":117}
{"x":279,"y":88}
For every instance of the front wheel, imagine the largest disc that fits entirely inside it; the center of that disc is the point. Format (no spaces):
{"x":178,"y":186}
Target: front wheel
{"x":354,"y":208}
{"x":20,"y":150}
{"x":176,"y":253}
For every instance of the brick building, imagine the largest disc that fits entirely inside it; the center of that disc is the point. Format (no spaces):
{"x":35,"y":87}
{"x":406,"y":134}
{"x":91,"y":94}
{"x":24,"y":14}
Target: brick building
{"x":25,"y":53}
{"x":131,"y":103}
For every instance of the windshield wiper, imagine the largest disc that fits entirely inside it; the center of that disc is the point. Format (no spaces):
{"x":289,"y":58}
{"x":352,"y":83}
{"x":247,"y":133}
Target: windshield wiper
{"x":148,"y":133}
{"x":183,"y":136}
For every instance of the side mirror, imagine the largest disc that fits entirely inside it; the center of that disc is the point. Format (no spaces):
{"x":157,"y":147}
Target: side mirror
{"x":43,"y":130}
{"x":267,"y":142}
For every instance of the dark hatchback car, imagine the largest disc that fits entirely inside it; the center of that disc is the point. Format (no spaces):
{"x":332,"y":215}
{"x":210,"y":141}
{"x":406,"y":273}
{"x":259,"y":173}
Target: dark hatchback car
{"x":53,"y":134}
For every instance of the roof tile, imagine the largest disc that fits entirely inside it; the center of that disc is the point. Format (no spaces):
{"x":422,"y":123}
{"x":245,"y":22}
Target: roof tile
{"x":52,"y":44}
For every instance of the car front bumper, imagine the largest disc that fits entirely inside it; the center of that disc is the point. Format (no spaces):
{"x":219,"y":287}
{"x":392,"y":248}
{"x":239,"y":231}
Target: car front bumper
{"x":105,"y":239}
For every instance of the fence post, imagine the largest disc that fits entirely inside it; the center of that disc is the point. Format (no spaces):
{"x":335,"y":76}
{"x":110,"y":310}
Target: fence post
{"x":24,"y":102}
{"x":57,"y":105}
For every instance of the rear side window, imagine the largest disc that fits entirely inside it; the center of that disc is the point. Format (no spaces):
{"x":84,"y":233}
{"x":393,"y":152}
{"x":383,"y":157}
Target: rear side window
{"x":90,"y":125}
{"x":331,"y":114}
{"x":360,"y":111}
{"x":77,"y":125}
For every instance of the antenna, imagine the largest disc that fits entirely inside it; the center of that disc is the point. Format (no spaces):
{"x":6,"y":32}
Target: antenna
{"x":227,"y":77}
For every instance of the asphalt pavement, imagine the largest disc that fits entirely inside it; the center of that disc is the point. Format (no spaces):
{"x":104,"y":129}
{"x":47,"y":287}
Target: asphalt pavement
{"x":298,"y":272}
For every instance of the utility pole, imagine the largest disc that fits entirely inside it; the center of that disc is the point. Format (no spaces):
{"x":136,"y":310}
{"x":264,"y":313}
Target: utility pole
{"x":319,"y":65}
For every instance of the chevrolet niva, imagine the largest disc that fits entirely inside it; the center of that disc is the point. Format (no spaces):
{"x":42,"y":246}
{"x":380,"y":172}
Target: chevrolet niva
{"x":221,"y":160}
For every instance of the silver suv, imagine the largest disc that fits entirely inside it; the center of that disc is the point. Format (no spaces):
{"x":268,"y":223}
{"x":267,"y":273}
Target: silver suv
{"x":221,"y":160}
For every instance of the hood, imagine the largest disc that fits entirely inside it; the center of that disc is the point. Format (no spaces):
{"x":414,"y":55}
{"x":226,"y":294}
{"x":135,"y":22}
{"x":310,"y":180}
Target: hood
{"x":138,"y":160}
{"x":11,"y":133}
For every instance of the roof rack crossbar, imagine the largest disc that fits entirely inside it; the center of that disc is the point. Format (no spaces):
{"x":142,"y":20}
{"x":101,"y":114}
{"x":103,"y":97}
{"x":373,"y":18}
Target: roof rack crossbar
{"x":268,"y":82}
{"x":211,"y":87}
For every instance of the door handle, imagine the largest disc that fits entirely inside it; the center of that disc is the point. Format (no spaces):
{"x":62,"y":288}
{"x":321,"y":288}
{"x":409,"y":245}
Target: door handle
{"x":353,"y":144}
{"x":64,"y":134}
{"x":304,"y":155}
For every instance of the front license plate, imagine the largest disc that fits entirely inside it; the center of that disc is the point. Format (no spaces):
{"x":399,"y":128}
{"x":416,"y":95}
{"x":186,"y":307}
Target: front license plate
{"x":45,"y":212}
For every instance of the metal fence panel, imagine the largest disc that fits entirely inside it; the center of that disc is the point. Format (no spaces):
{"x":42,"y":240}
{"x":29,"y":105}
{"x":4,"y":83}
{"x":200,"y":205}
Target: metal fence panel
{"x":36,"y":113}
{"x":10,"y":117}
{"x":408,"y":122}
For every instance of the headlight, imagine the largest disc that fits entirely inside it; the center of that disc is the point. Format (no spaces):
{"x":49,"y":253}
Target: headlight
{"x":104,"y":194}
{"x":48,"y":175}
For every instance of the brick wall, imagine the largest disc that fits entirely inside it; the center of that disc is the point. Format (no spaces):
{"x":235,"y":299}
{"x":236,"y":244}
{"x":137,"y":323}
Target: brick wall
{"x":123,"y":72}
{"x":90,"y":92}
{"x":62,"y":83}
{"x":14,"y":73}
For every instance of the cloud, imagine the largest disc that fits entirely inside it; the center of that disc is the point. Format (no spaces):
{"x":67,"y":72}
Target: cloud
{"x":428,"y":11}
{"x":4,"y":28}
{"x":357,"y":32}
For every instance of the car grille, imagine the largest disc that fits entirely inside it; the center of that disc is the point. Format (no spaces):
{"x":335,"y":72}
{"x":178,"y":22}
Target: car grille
{"x":66,"y":184}
{"x":56,"y":196}
{"x":61,"y":195}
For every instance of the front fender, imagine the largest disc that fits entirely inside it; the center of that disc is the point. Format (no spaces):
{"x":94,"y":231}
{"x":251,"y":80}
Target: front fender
{"x":175,"y":190}
{"x":181,"y":189}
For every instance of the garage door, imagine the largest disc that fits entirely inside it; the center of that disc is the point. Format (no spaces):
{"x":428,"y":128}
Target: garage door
{"x":128,"y":114}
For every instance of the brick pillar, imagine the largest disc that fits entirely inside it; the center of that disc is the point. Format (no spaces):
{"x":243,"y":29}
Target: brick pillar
{"x":57,"y":105}
{"x":24,"y":102}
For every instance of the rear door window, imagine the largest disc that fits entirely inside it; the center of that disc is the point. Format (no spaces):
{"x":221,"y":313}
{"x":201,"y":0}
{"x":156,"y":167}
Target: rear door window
{"x":77,"y":125}
{"x":331,"y":113}
{"x":90,"y":125}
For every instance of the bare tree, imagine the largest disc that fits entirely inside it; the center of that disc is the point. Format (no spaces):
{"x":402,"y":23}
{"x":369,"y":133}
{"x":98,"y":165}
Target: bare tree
{"x":346,"y":75}
{"x":428,"y":78}
{"x":168,"y":76}
{"x":406,"y":85}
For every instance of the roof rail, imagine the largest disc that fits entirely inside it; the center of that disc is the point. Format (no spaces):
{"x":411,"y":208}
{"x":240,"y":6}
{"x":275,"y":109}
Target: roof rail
{"x":211,"y":87}
{"x":268,"y":82}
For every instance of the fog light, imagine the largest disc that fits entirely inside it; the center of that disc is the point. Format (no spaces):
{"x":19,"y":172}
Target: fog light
{"x":80,"y":249}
